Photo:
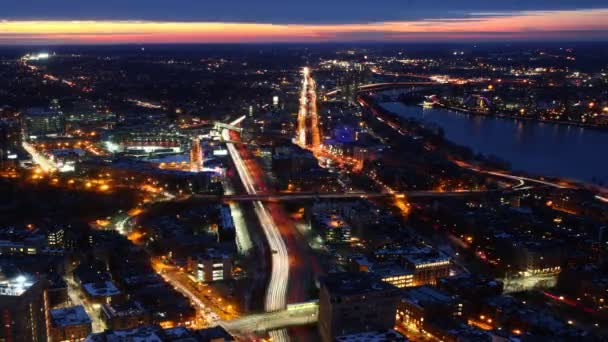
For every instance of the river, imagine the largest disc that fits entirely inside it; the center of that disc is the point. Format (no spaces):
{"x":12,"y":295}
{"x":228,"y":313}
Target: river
{"x":539,"y":148}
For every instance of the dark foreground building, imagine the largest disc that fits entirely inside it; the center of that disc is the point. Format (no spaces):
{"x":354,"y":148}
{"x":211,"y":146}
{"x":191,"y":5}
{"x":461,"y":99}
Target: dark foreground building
{"x":23,"y":310}
{"x":355,"y":302}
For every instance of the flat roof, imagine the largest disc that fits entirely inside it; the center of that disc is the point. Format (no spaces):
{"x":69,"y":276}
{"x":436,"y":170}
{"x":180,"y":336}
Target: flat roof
{"x":103,"y":288}
{"x":425,"y":295}
{"x":65,"y":317}
{"x":40,"y":111}
{"x":351,"y":283}
{"x":126,"y":309}
{"x":372,"y":336}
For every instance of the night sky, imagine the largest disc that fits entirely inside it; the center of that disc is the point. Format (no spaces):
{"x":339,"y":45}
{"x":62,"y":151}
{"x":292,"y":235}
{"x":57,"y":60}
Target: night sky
{"x":122,"y":21}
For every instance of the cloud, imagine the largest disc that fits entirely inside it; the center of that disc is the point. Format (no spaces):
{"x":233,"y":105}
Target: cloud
{"x":569,"y":24}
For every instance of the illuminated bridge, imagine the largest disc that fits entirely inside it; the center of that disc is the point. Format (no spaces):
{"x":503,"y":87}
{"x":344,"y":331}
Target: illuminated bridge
{"x":387,"y":85}
{"x":294,"y":315}
{"x":294,"y":196}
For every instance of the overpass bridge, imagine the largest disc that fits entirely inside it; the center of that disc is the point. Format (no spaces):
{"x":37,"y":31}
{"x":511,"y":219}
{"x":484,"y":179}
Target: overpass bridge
{"x":295,"y":315}
{"x":387,"y":85}
{"x":220,"y":126}
{"x":295,"y":196}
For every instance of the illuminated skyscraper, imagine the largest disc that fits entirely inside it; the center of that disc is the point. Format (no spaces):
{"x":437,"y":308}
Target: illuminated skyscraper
{"x":23,"y":307}
{"x":196,"y":156}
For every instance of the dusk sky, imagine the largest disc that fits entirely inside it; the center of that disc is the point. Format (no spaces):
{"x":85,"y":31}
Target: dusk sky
{"x":200,"y":21}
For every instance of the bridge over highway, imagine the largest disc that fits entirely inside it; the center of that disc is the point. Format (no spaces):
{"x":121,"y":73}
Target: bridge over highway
{"x":388,"y":85}
{"x":293,"y":196}
{"x":294,"y":315}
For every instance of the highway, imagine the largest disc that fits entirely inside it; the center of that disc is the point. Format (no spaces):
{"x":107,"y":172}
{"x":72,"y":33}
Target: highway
{"x":276,"y":294}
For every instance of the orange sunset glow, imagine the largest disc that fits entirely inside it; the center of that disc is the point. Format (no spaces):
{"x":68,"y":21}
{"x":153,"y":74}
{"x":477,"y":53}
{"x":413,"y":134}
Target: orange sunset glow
{"x":574,"y":24}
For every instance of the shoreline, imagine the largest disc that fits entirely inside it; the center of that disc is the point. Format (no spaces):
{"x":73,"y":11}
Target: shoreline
{"x":515,"y":117}
{"x":581,"y":184}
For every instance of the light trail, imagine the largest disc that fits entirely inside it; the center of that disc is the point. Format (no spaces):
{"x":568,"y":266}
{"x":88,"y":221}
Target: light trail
{"x":314,"y":115}
{"x":276,"y":294}
{"x":303,"y":111}
{"x":178,"y":286}
{"x":308,"y":113}
{"x":602,"y":198}
{"x":45,"y":163}
{"x":243,"y":239}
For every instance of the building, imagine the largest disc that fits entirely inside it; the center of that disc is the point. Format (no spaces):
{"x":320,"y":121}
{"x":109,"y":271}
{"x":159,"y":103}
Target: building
{"x":10,"y":140}
{"x":373,"y":336}
{"x":394,"y":274}
{"x":41,"y":122}
{"x":352,"y":75}
{"x":55,"y":237}
{"x":429,"y":268}
{"x":424,"y":303}
{"x":157,"y":334}
{"x":196,"y":156}
{"x":213,"y":265}
{"x":23,"y":307}
{"x":101,"y":292}
{"x":127,"y":315}
{"x":355,"y":302}
{"x":332,"y":228}
{"x":427,"y":264}
{"x":69,"y":324}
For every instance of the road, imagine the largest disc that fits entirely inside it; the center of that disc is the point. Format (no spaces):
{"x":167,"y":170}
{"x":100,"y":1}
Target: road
{"x":521,"y":179}
{"x":77,"y":297}
{"x":209,"y":305}
{"x":45,"y":163}
{"x":276,"y":294}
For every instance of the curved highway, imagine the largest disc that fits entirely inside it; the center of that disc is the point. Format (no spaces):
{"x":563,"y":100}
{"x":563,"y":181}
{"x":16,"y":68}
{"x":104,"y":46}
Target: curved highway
{"x":276,"y":294}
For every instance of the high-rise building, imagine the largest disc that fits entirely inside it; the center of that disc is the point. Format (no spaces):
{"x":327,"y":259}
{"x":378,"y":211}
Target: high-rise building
{"x":196,"y":156}
{"x":355,"y":302}
{"x":23,"y":310}
{"x":349,"y":82}
{"x":10,"y":139}
{"x":42,"y":122}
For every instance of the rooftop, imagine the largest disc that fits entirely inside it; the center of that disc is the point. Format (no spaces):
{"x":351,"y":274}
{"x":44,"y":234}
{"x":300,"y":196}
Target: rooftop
{"x":40,"y":111}
{"x":15,"y":286}
{"x":426,"y":295}
{"x":126,"y":309}
{"x":104,"y":288}
{"x":351,"y":283}
{"x":373,"y":336}
{"x":65,"y":317}
{"x":141,"y":334}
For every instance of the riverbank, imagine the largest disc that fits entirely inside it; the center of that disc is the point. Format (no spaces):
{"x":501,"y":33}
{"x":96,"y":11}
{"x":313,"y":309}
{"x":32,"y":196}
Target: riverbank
{"x":516,"y":117}
{"x":551,"y":151}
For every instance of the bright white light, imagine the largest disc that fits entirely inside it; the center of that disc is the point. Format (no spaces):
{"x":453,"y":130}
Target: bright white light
{"x":111,"y":147}
{"x":221,"y":152}
{"x":20,"y":279}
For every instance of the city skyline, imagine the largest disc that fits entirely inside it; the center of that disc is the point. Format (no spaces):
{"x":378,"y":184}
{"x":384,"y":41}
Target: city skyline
{"x":334,"y":171}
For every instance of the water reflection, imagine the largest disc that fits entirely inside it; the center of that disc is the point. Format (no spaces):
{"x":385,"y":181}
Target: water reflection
{"x":535,"y":147}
